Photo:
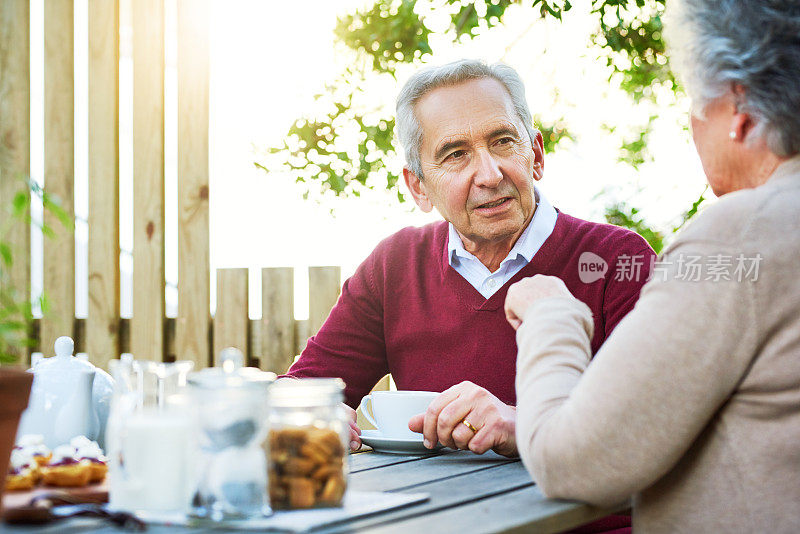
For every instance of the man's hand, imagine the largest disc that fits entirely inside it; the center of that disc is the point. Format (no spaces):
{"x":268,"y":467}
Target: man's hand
{"x":355,"y":432}
{"x":527,"y":291}
{"x":444,"y":421}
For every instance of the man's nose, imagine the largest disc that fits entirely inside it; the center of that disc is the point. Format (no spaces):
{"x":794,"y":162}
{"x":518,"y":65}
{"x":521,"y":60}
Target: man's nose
{"x":487,"y":172}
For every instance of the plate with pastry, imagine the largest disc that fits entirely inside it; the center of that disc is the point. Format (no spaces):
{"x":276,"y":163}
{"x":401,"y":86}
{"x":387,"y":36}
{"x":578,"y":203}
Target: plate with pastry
{"x":88,"y":450}
{"x":23,"y":471}
{"x":65,"y":470}
{"x":33,"y":444}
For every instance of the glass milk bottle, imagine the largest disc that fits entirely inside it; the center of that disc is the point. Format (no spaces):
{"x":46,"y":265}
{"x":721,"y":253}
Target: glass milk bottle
{"x":308,"y":439}
{"x":151,"y":438}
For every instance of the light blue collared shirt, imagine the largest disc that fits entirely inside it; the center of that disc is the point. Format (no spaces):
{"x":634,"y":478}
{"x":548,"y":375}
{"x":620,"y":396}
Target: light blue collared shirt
{"x":528,"y":244}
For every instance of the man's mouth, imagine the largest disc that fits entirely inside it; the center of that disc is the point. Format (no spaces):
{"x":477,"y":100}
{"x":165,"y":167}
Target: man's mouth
{"x":494,"y":203}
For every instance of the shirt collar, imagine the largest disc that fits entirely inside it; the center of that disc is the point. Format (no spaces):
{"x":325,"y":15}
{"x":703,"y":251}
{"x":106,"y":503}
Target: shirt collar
{"x":527,"y":245}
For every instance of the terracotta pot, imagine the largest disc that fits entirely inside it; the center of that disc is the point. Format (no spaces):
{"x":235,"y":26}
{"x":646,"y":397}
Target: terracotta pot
{"x":15,"y":387}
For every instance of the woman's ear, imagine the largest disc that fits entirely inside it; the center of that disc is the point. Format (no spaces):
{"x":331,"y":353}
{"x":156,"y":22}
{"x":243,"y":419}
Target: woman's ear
{"x":417,"y":189}
{"x":742,"y":122}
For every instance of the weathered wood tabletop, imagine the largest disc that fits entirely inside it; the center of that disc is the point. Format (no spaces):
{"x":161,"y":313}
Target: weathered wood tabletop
{"x":468,"y":493}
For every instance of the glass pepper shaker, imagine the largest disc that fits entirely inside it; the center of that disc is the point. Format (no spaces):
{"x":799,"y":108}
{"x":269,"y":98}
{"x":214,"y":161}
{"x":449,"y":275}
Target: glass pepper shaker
{"x":233,"y":418}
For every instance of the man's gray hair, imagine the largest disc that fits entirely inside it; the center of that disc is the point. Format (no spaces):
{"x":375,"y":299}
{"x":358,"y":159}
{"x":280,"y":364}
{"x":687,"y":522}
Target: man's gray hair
{"x":717,"y":44}
{"x":408,"y":129}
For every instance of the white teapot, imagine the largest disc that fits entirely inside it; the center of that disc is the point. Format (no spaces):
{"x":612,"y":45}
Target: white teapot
{"x":69,"y":397}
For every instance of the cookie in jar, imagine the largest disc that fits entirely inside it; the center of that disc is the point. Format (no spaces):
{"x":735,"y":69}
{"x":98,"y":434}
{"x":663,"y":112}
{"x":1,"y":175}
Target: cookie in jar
{"x":309,"y":429}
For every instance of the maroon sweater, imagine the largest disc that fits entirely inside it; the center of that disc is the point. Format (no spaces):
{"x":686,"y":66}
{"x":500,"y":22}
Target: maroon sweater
{"x":405,"y":311}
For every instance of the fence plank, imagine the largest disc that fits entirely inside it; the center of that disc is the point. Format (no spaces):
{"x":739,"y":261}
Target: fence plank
{"x":147,"y":323}
{"x":324,"y":284}
{"x":193,"y":242}
{"x":102,"y":324}
{"x":170,"y":352}
{"x":254,"y":343}
{"x":277,"y":319}
{"x":59,"y":170}
{"x":301,"y":335}
{"x":231,"y":319}
{"x":15,"y":138}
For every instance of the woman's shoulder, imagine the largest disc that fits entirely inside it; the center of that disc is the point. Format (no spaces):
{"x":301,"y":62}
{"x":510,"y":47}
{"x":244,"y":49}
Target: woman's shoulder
{"x":758,"y":214}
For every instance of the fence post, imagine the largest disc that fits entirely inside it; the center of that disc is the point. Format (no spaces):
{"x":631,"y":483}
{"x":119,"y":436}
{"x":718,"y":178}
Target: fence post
{"x":231,"y":318}
{"x":59,"y":170}
{"x":15,"y":151}
{"x":102,"y":323}
{"x":324,"y":284}
{"x":277,"y":319}
{"x":193,"y":242}
{"x":147,"y":323}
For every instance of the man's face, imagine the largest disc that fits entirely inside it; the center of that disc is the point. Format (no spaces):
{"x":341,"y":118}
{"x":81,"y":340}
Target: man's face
{"x":478,"y":162}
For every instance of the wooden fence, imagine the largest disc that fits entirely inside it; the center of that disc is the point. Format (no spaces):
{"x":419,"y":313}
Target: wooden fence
{"x":270,"y":343}
{"x":194,"y":335}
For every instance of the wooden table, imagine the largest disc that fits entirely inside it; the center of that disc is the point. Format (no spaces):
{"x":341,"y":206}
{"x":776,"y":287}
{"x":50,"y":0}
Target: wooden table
{"x":468,"y":493}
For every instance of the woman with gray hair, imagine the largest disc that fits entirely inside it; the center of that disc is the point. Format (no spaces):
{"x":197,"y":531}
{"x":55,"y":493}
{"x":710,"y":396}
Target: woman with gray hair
{"x":692,"y":405}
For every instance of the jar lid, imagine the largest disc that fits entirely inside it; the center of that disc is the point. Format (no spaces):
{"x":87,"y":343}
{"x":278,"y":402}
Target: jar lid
{"x":300,"y":392}
{"x":231,"y":375}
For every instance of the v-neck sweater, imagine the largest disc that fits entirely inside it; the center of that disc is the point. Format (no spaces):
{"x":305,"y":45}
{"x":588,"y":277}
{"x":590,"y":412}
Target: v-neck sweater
{"x":407,"y":312}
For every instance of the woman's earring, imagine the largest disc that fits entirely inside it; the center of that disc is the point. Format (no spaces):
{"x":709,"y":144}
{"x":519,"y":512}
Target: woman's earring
{"x":732,"y":135}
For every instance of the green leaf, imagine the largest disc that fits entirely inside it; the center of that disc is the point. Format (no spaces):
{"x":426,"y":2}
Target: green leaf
{"x":20,"y":203}
{"x":44,"y":304}
{"x":53,"y":204}
{"x":386,"y":39}
{"x":626,"y":216}
{"x":5,"y":252}
{"x":692,"y":211}
{"x":47,"y":231}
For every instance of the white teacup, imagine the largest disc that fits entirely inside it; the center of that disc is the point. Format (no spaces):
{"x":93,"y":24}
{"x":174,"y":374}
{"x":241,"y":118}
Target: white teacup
{"x":391,"y":411}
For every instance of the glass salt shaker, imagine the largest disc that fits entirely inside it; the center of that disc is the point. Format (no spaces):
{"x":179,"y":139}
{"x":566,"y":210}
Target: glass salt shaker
{"x":308,"y":437}
{"x":232,"y":402}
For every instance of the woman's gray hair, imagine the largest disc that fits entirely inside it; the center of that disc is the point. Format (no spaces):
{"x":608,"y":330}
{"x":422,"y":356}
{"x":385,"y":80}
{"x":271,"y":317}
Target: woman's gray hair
{"x":717,"y":44}
{"x":407,"y":127}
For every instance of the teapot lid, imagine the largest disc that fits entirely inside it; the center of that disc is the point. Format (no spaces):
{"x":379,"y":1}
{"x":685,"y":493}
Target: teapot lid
{"x":64,"y":359}
{"x":231,"y":374}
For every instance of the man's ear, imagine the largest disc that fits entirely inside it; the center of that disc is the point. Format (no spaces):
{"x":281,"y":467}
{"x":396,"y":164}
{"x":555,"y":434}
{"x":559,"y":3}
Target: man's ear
{"x":538,"y":156}
{"x":417,"y":189}
{"x":741,"y":121}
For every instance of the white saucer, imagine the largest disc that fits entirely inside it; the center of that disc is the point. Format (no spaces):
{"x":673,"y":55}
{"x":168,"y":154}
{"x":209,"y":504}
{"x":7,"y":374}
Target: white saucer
{"x":381,"y":443}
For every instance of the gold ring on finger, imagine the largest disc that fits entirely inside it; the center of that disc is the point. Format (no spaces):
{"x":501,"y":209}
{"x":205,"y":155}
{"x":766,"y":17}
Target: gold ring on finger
{"x":469,"y":425}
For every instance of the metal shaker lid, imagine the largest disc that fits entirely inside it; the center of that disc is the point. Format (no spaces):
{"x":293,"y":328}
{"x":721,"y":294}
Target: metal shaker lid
{"x":231,"y":374}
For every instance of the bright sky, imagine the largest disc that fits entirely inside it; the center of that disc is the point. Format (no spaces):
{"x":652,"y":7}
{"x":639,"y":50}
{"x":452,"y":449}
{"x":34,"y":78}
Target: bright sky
{"x":268,"y":59}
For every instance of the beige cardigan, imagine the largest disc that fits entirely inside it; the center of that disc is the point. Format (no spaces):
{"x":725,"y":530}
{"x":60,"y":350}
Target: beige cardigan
{"x":692,"y":405}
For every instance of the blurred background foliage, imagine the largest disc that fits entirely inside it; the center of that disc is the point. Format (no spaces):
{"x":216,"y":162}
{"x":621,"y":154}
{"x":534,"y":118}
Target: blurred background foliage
{"x":344,"y":148}
{"x":16,"y":307}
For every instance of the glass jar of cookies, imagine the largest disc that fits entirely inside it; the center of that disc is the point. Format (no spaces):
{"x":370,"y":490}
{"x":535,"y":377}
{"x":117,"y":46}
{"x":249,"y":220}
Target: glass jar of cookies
{"x":307,"y":443}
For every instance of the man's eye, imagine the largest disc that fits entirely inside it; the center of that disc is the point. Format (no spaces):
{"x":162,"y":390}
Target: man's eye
{"x":505,"y":140}
{"x":457,"y":154}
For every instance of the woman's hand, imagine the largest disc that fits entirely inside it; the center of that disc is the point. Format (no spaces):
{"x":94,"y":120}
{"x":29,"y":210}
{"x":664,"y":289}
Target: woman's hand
{"x":527,"y":291}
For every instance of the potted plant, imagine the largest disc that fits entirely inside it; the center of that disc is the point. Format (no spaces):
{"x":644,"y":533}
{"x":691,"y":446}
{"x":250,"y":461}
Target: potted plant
{"x":15,"y":387}
{"x":16,"y":317}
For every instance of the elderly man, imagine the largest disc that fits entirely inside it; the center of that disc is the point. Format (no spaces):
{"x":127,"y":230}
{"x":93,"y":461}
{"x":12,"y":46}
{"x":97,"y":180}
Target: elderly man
{"x":427,"y":304}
